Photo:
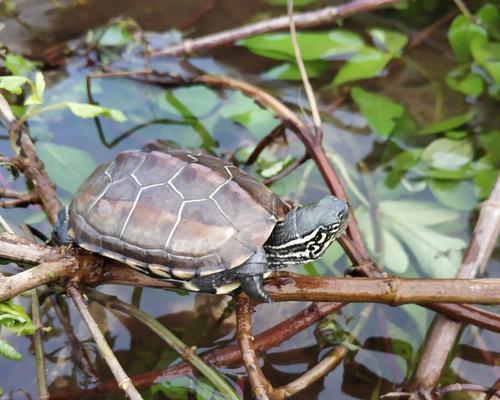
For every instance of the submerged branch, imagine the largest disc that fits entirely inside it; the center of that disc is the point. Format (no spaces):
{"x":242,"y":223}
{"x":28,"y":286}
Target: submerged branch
{"x":184,"y":351}
{"x":106,"y":352}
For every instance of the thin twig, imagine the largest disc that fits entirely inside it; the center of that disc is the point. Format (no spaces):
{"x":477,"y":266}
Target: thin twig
{"x":327,"y":364}
{"x":465,"y":387}
{"x":302,"y":69}
{"x":443,"y":333}
{"x":41,"y":375}
{"x":288,"y":170}
{"x":17,"y":199}
{"x":324,"y":16}
{"x":186,"y":353}
{"x":104,"y":349}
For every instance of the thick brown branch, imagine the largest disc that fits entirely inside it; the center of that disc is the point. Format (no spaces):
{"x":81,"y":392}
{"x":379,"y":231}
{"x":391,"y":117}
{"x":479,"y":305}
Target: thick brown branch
{"x":304,"y":20}
{"x":393,"y":291}
{"x":44,"y":273}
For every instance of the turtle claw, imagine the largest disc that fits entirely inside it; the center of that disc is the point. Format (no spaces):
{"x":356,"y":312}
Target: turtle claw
{"x":253,"y":286}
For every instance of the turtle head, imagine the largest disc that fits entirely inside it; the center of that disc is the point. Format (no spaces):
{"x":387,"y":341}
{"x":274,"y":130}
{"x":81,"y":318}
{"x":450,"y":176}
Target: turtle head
{"x":308,"y":231}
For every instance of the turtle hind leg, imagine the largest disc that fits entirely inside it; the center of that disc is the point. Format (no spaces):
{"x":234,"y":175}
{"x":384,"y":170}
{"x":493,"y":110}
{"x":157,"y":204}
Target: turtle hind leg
{"x":251,"y":277}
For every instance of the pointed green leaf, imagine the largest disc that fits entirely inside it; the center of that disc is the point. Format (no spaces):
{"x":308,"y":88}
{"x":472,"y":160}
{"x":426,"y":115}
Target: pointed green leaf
{"x":336,"y":44}
{"x":447,"y":124}
{"x":463,"y":80}
{"x":368,"y":63}
{"x":290,"y":71}
{"x":448,"y":154}
{"x":390,"y":41}
{"x":8,"y":351}
{"x":461,"y":34}
{"x":13,"y":83}
{"x":67,"y":166}
{"x":84,"y":110}
{"x":380,"y":112}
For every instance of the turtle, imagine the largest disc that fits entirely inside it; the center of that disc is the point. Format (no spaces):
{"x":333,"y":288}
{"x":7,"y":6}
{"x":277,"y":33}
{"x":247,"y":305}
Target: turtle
{"x":195,"y":220}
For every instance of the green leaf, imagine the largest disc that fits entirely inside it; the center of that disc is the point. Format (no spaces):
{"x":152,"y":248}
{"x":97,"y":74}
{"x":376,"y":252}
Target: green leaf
{"x":439,"y":255}
{"x":489,"y":17}
{"x":380,"y":112}
{"x":368,"y":63}
{"x":487,"y":55}
{"x":463,"y":80}
{"x":67,"y":166}
{"x":244,"y":110}
{"x":8,"y":351}
{"x":14,"y":318}
{"x":447,"y":124}
{"x":456,"y":135}
{"x":116,"y":35}
{"x":198,"y":99}
{"x":18,"y":65}
{"x":455,"y":194}
{"x":336,"y":44}
{"x":290,"y":71}
{"x":394,"y":255}
{"x":402,"y":163}
{"x":275,"y":167}
{"x":448,"y":154}
{"x":489,"y":142}
{"x":13,"y":83}
{"x":461,"y":34}
{"x":37,"y":90}
{"x":389,"y":41}
{"x":484,"y":181}
{"x":84,"y":110}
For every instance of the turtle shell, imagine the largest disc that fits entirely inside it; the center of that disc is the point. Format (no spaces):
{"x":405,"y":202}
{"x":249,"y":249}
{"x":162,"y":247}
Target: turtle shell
{"x":174,"y":214}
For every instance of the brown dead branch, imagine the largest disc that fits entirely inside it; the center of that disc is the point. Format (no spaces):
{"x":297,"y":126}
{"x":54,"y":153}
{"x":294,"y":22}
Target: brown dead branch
{"x":324,"y":16}
{"x":17,"y":199}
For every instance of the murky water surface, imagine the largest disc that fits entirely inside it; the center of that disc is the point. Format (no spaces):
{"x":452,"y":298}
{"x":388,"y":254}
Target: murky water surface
{"x":196,"y":318}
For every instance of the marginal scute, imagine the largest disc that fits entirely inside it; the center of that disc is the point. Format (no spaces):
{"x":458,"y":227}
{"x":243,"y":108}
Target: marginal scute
{"x":174,"y":213}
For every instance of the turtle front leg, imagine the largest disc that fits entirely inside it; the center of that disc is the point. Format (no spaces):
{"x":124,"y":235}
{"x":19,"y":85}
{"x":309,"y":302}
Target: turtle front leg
{"x":251,"y":277}
{"x":60,"y":233}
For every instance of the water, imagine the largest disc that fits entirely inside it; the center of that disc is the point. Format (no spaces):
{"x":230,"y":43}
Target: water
{"x":378,"y":366}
